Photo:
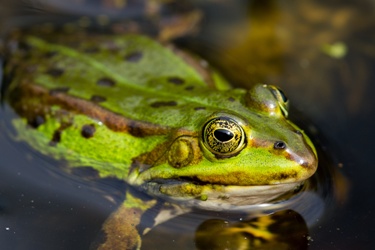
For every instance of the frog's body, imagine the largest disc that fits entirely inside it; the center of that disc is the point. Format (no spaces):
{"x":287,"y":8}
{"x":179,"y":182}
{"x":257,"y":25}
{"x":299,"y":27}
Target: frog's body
{"x":162,"y":121}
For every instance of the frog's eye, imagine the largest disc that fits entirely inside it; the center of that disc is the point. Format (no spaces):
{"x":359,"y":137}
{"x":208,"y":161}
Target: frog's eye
{"x":281,"y":99}
{"x":223,"y":136}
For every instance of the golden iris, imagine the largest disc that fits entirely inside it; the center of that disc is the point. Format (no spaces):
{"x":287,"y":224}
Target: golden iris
{"x":223,"y":136}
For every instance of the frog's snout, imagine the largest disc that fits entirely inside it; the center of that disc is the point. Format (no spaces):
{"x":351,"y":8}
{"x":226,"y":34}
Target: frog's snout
{"x":306,"y":157}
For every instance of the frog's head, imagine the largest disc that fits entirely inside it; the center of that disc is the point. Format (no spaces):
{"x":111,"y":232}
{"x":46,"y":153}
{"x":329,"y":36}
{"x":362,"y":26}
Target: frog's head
{"x":256,"y":152}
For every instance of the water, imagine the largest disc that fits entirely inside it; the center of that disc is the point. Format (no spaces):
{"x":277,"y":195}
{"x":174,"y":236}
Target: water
{"x":259,"y":41}
{"x":40,"y":208}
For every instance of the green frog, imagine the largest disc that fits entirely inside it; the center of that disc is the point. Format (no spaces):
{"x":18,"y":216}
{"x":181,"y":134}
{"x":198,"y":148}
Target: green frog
{"x":158,"y":118}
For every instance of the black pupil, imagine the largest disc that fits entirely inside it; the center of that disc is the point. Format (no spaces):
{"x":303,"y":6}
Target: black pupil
{"x":223,"y":135}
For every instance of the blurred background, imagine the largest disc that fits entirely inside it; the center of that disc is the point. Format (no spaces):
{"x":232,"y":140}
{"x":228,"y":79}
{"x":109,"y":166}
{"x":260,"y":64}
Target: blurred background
{"x":321,"y":53}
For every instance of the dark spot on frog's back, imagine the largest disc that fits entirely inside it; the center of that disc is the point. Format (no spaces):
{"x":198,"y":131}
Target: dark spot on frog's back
{"x":176,"y":80}
{"x":199,"y":108}
{"x":135,"y":130}
{"x":55,"y":72}
{"x":56,"y":138}
{"x":98,"y":98}
{"x":189,"y":88}
{"x":105,"y":81}
{"x":163,"y":104}
{"x":135,"y":56}
{"x":55,"y":91}
{"x":36,"y":121}
{"x":88,"y":131}
{"x":231,"y":99}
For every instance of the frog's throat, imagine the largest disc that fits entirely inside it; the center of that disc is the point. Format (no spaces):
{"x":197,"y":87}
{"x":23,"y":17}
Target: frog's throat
{"x":221,"y":197}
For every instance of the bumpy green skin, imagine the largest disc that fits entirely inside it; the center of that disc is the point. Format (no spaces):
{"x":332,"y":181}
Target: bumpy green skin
{"x":148,"y":108}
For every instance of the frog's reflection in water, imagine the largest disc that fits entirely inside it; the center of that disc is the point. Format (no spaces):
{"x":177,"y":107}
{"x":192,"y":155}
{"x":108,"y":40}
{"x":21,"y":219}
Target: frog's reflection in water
{"x":281,"y":230}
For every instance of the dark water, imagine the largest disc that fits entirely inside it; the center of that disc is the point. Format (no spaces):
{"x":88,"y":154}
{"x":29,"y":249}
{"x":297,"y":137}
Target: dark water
{"x":249,"y":41}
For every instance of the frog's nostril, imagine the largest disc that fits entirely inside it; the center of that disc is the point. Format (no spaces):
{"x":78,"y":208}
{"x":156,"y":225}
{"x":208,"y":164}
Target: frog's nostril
{"x":279,"y":145}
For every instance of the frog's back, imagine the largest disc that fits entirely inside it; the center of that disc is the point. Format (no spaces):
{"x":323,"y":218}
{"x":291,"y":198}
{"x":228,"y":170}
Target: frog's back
{"x":130,"y":75}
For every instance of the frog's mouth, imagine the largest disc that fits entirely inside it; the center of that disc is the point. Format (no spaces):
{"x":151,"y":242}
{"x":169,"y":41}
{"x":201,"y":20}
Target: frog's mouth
{"x":219,"y":197}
